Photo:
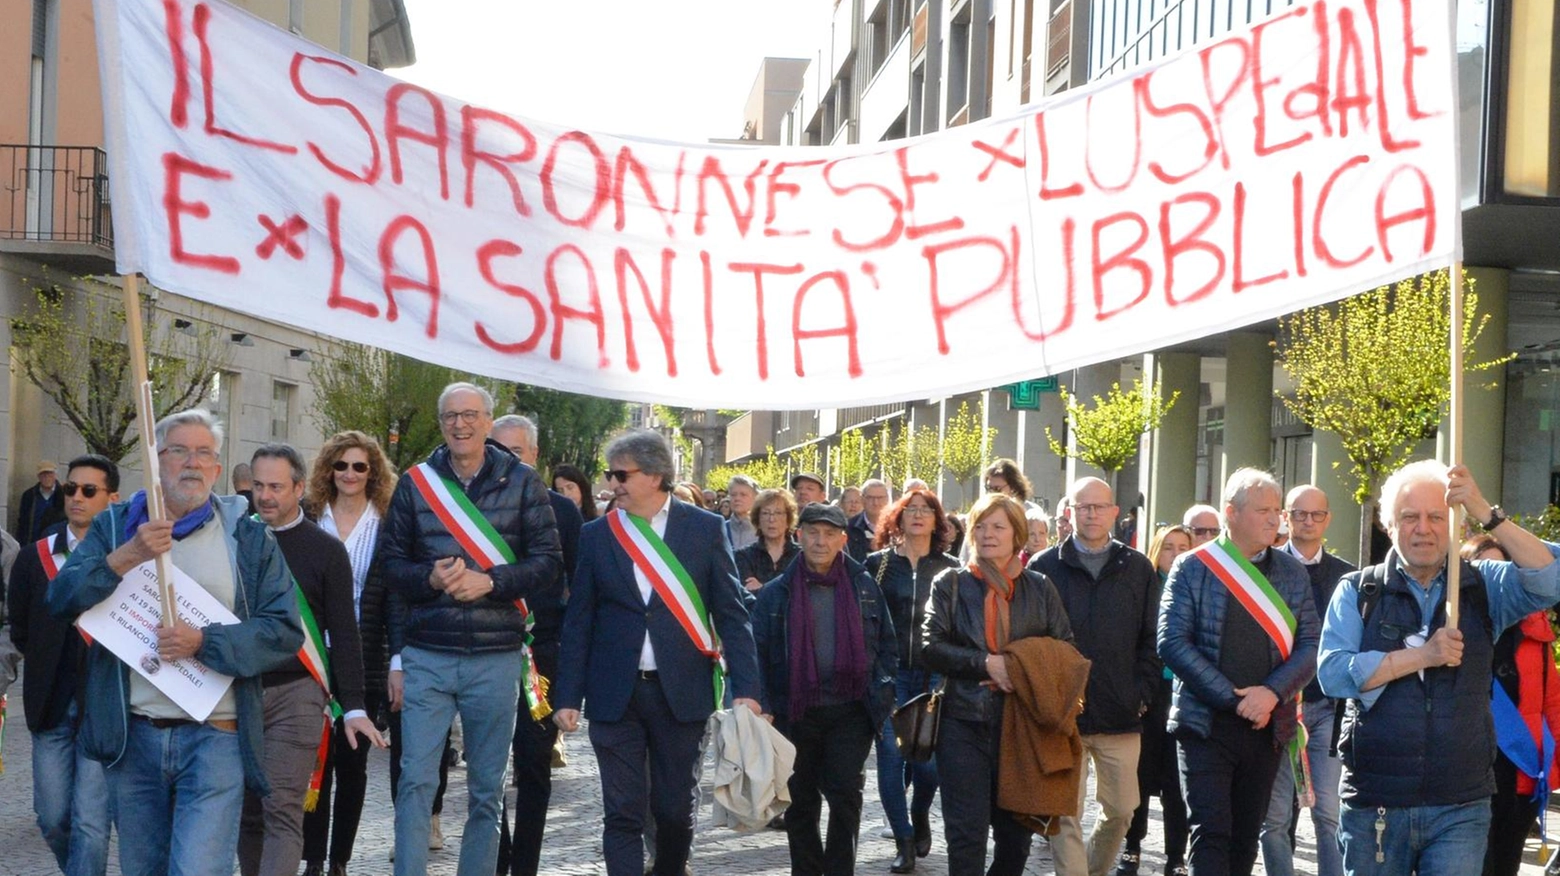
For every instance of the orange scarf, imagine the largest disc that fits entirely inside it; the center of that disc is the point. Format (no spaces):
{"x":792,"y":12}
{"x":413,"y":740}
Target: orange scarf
{"x":999,"y":601}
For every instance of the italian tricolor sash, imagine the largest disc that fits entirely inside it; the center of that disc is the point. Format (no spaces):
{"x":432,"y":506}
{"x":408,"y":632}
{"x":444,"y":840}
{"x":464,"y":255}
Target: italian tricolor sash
{"x":487,"y":549}
{"x":1252,"y":589}
{"x":667,"y":576}
{"x":315,"y":659}
{"x":51,"y":566}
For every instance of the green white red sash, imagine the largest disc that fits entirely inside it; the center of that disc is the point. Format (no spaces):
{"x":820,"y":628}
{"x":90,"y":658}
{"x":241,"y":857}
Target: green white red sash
{"x":668,"y":578}
{"x":487,"y":549}
{"x":315,"y":659}
{"x":1252,"y":590}
{"x":51,"y":568}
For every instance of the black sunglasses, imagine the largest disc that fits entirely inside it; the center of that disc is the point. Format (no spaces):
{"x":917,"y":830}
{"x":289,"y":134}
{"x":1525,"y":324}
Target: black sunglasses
{"x":88,"y":490}
{"x":621,"y":474}
{"x":343,"y":465}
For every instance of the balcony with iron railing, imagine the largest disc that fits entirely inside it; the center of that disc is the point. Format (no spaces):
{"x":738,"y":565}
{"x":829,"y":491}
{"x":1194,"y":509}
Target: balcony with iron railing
{"x":55,"y":206}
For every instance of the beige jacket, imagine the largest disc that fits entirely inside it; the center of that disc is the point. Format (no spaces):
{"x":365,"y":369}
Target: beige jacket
{"x":753,"y":765}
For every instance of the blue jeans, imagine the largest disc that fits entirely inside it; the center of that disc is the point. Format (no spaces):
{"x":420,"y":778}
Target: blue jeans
{"x":1278,"y":856}
{"x":70,"y":797}
{"x":483,"y":688}
{"x":892,"y":772}
{"x":1427,"y":840}
{"x":177,"y":794}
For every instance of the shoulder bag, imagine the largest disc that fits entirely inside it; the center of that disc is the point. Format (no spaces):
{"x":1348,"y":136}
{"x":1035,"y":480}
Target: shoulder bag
{"x":916,"y":723}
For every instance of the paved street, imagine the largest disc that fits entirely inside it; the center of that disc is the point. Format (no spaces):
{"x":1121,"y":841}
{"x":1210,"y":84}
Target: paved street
{"x":574,"y":828}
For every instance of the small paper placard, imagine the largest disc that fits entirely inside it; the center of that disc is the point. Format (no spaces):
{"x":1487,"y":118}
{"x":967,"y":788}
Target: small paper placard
{"x":126,"y":624}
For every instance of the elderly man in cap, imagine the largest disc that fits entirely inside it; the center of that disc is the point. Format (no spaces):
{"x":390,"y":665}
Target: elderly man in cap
{"x":42,"y":506}
{"x":808,"y":488}
{"x":827,"y":654}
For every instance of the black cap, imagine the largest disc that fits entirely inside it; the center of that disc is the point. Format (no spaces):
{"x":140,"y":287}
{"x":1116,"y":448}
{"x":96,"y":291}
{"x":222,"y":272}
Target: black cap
{"x":808,"y":476}
{"x":818,"y":512}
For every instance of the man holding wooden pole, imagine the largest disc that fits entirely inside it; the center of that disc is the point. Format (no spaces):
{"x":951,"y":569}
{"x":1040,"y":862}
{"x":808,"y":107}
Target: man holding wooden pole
{"x":1418,"y":742}
{"x":178,"y":783}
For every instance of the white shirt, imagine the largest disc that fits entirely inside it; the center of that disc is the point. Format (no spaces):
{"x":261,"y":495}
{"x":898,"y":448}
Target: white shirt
{"x":646,"y":590}
{"x":1289,"y":548}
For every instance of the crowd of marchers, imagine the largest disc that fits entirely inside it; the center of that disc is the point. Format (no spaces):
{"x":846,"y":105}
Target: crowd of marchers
{"x":1236,"y":670}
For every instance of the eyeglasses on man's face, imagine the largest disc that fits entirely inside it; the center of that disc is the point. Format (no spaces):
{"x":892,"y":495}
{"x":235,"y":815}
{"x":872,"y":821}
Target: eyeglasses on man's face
{"x":88,"y":490}
{"x":468,"y":417}
{"x":621,"y":474}
{"x":1205,"y":531}
{"x":180,"y":454}
{"x":1303,"y":516}
{"x":1092,"y":509}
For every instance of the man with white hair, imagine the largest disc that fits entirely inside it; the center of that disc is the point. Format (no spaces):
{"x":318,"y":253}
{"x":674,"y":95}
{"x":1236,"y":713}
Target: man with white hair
{"x":740,"y":532}
{"x":1238,"y":627}
{"x":1418,"y":743}
{"x":471,"y":544}
{"x":863,"y":527}
{"x":1204,"y":522}
{"x":535,"y":738}
{"x":178,"y":783}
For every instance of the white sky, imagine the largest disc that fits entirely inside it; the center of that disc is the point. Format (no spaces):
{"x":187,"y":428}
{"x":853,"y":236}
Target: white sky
{"x":677,"y":70}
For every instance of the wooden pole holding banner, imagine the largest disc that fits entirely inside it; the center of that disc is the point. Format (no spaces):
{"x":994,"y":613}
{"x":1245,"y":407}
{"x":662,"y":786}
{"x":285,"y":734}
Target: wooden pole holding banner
{"x":1454,"y":439}
{"x":147,"y":420}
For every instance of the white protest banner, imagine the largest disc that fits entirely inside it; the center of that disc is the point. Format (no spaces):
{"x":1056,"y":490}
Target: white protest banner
{"x":126,"y":624}
{"x":1288,"y":164}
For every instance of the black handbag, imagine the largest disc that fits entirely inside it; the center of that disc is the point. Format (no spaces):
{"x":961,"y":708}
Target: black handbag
{"x":916,"y":723}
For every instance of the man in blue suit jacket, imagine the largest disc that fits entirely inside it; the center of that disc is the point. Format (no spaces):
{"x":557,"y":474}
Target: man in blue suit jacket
{"x":650,"y":687}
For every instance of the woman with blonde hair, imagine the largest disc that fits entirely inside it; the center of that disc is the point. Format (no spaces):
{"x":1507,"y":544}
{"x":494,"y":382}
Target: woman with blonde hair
{"x":975,"y":613}
{"x":350,"y":485}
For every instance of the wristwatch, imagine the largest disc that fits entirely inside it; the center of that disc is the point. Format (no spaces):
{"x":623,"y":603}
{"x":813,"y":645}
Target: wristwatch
{"x":1497,"y":517}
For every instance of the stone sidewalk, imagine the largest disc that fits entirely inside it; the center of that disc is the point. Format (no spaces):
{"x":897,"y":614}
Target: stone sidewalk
{"x":573,"y":830}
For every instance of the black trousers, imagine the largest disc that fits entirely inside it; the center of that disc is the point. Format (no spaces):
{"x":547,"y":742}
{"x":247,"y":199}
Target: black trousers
{"x":1159,"y":774}
{"x":648,"y":731}
{"x":520,"y":849}
{"x":1227,"y":780}
{"x":832,"y":744}
{"x":347,"y":770}
{"x":1511,"y":817}
{"x":967,"y":769}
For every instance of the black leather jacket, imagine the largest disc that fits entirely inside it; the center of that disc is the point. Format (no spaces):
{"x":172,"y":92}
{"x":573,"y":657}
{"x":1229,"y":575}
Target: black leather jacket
{"x":955,"y":636}
{"x":513,"y":499}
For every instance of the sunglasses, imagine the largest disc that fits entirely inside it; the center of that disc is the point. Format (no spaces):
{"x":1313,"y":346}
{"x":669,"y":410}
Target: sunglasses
{"x":1205,"y":531}
{"x":343,"y":465}
{"x":621,"y":474}
{"x":88,"y":490}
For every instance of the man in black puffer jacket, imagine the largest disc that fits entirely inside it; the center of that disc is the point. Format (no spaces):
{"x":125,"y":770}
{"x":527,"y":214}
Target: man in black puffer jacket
{"x":1110,"y":591}
{"x":469,"y":535}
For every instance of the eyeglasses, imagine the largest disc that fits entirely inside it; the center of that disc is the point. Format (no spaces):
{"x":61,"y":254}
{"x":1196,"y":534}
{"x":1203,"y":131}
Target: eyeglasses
{"x":1092,"y":510}
{"x":88,"y":490}
{"x":919,"y":511}
{"x":448,"y":418}
{"x":993,"y":487}
{"x":621,"y":474}
{"x":180,"y":453}
{"x":1205,"y":531}
{"x":1303,"y":516}
{"x":773,"y":514}
{"x":343,"y":465}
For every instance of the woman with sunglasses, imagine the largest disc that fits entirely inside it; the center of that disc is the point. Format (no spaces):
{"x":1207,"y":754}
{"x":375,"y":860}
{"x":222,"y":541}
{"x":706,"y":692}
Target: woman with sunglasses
{"x":350,"y":488}
{"x":911,"y":545}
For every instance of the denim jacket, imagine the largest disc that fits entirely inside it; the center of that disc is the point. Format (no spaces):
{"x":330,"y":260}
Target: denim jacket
{"x":267,"y":636}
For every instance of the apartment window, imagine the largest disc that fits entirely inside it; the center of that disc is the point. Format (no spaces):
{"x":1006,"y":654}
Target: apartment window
{"x":918,"y":100}
{"x":1532,"y":117}
{"x":959,"y":65}
{"x":878,"y":38}
{"x":898,"y":20}
{"x":283,"y":398}
{"x":222,"y":399}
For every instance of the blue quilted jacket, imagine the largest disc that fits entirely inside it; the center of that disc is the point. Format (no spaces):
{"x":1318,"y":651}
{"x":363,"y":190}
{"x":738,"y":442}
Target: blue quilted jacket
{"x":1191,"y":630}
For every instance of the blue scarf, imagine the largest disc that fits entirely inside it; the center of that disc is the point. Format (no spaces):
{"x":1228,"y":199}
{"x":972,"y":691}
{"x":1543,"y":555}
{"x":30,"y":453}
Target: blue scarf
{"x":136,"y":515}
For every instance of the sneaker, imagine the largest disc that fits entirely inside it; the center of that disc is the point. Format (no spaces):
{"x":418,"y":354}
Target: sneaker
{"x":1178,"y":870}
{"x":1127,"y":864}
{"x":435,"y":834}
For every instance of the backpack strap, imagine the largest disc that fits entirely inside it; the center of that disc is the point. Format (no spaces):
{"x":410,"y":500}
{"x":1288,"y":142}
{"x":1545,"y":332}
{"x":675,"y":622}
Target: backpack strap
{"x":1373,"y":580}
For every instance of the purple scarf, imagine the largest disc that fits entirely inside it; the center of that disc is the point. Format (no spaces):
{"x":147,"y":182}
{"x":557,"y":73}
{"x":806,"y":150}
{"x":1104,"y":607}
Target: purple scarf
{"x":850,"y":650}
{"x":136,"y":515}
